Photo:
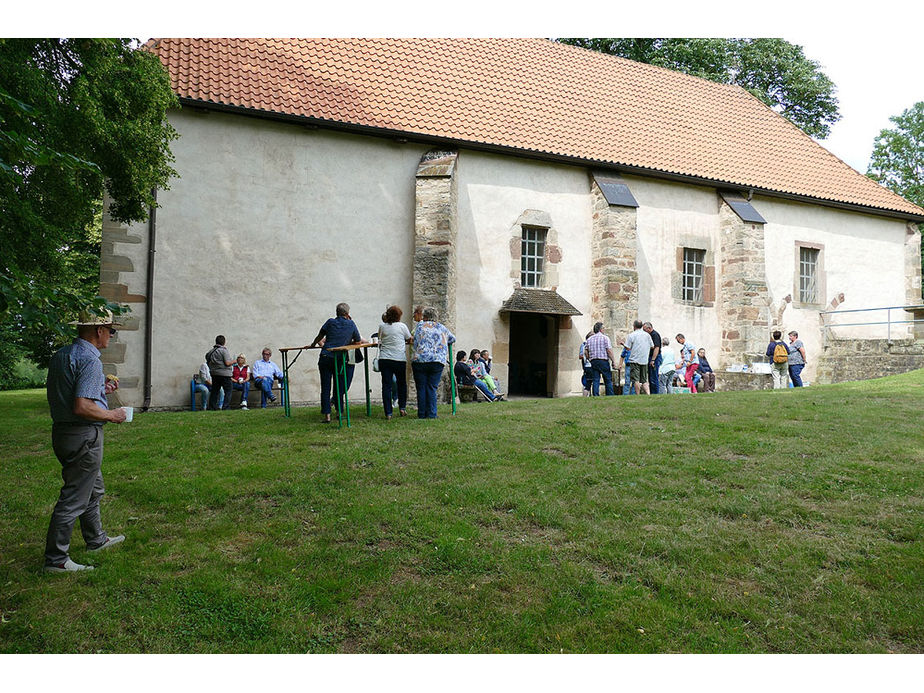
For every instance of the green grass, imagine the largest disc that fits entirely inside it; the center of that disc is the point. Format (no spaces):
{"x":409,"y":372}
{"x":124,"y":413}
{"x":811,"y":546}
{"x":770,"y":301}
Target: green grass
{"x":788,"y":521}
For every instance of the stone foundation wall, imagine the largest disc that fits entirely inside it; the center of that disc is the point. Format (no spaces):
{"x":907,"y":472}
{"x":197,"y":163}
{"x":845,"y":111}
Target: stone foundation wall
{"x":864,"y":359}
{"x":726,"y":381}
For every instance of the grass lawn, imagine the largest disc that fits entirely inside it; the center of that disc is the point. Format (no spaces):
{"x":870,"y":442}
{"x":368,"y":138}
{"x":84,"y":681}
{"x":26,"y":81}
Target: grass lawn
{"x":789,"y":521}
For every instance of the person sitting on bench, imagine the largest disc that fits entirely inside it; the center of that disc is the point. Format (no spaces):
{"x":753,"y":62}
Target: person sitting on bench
{"x":464,"y":376}
{"x":240,"y":379}
{"x":264,"y":372}
{"x":481,"y":373}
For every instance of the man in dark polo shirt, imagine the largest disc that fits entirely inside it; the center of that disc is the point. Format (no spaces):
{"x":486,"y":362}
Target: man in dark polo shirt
{"x":654,"y":358}
{"x":77,"y":392}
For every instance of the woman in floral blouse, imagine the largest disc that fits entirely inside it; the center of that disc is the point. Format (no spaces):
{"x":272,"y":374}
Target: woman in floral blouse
{"x":431,"y":352}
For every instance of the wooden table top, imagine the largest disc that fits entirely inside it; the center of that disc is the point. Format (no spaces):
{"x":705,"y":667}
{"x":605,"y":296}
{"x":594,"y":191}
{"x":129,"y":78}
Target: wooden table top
{"x":348,"y":347}
{"x":352,"y":347}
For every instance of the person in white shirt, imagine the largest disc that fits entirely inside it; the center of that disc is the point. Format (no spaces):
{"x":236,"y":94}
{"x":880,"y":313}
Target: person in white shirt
{"x":668,"y":367}
{"x":639,"y":345}
{"x":394,"y":336}
{"x":203,"y":380}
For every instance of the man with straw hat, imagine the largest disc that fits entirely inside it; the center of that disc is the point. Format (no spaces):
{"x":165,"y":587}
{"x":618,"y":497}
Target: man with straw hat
{"x":77,"y":392}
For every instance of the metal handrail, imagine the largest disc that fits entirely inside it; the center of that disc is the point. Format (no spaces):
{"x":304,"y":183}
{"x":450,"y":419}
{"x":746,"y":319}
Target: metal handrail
{"x":888,"y":321}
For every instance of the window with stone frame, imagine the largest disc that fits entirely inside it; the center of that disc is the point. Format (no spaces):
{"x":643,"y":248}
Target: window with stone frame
{"x":694,"y":262}
{"x":693,"y":282}
{"x":532,"y":256}
{"x":809,"y":275}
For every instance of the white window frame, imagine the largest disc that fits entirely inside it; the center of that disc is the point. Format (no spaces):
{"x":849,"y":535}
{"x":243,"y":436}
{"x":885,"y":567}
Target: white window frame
{"x":532,"y":256}
{"x":809,"y":261}
{"x":693,"y":274}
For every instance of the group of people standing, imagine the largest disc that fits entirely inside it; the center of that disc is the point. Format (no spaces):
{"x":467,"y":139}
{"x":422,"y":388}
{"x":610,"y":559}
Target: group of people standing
{"x":650,"y":364}
{"x":430,"y":342}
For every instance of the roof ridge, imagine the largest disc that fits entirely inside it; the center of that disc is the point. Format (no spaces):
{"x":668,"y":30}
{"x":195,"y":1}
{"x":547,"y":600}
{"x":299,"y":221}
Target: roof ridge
{"x":532,"y":96}
{"x":679,"y":73}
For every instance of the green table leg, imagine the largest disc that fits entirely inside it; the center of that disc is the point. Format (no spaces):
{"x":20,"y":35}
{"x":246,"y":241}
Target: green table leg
{"x":452,"y":380}
{"x":368,"y":390}
{"x":340,"y":371}
{"x":337,"y":388}
{"x":285,"y":383}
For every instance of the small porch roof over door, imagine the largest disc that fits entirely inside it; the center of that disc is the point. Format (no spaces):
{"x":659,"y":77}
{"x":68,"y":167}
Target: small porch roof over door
{"x":543,"y":301}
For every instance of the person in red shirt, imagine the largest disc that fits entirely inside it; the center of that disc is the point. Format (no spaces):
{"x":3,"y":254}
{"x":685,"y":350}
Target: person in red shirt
{"x":240,"y":379}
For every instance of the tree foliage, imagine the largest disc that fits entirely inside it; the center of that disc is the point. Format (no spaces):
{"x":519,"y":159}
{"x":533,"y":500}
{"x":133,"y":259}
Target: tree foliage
{"x":77,"y":117}
{"x":898,"y":158}
{"x":775,"y":71}
{"x":898,"y":155}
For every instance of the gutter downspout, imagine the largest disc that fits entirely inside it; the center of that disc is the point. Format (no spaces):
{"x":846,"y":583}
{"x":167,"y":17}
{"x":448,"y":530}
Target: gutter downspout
{"x":149,"y":303}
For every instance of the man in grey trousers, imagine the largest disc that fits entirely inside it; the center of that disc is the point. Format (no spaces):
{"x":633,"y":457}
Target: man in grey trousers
{"x":77,"y":392}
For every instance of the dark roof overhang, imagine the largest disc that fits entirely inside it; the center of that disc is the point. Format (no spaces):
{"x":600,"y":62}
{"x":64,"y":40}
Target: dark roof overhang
{"x":543,"y":301}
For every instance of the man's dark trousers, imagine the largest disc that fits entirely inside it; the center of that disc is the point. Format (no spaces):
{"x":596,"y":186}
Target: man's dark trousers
{"x":653,"y":374}
{"x":601,"y":367}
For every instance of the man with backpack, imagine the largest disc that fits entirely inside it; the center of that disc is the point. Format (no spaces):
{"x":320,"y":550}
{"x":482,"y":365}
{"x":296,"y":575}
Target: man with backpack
{"x":778,"y":353}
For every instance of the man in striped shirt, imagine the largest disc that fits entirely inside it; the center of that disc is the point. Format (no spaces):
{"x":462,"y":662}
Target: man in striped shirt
{"x":600,"y":352}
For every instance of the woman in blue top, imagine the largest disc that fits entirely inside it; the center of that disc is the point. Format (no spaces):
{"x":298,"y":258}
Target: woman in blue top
{"x":336,"y":332}
{"x":431,"y":352}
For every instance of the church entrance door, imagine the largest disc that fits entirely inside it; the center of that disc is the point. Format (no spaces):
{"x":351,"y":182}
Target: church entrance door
{"x":533,"y":362}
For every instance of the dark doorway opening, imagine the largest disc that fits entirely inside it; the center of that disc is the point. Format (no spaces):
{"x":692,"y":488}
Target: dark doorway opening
{"x":533,"y":349}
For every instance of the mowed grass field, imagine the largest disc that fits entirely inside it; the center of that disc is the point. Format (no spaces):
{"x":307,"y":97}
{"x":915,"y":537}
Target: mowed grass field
{"x":788,"y":521}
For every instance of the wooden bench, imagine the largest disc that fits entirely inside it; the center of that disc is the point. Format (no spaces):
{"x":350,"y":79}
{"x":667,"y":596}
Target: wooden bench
{"x":467,"y":393}
{"x":253,"y":397}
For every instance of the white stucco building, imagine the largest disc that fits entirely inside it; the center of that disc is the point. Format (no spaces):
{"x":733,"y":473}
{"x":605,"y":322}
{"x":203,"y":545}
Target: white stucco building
{"x":411,"y":171}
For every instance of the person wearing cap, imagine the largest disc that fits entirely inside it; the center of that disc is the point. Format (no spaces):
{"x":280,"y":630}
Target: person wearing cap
{"x":76,"y":390}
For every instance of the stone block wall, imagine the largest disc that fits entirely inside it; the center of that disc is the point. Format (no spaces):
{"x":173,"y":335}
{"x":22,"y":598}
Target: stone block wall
{"x":726,"y":381}
{"x":846,"y":360}
{"x":913,"y":265}
{"x":435,"y":245}
{"x":115,"y":270}
{"x":744,"y":299}
{"x":614,"y":273}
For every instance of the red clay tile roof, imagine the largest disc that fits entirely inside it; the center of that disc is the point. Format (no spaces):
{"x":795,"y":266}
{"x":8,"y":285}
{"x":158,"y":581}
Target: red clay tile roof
{"x":531,"y":95}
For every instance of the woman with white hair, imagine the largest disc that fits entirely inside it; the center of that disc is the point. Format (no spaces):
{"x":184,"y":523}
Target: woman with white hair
{"x":431,"y":352}
{"x":240,"y":379}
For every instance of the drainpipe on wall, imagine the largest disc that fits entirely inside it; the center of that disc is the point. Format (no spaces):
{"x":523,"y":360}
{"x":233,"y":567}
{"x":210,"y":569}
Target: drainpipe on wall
{"x":149,"y":303}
